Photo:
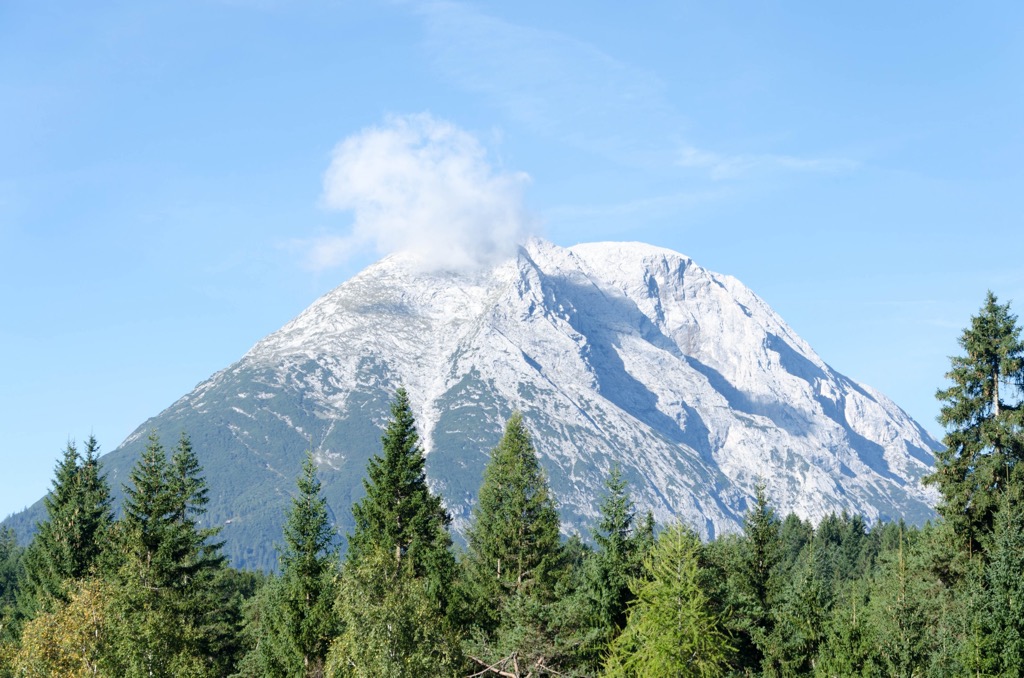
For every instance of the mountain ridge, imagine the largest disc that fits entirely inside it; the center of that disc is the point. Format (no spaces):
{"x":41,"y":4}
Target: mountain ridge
{"x":615,"y":353}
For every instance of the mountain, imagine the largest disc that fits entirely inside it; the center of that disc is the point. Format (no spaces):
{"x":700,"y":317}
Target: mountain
{"x":614,"y":352}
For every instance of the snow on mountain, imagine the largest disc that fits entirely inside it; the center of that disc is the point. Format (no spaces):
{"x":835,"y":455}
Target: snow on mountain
{"x":614,"y":352}
{"x":628,"y":353}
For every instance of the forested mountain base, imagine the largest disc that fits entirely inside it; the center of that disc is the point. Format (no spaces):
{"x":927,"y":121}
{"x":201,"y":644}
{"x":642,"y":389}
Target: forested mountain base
{"x":150,"y":594}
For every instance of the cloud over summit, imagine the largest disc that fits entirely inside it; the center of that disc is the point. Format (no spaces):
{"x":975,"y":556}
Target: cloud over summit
{"x":416,"y":183}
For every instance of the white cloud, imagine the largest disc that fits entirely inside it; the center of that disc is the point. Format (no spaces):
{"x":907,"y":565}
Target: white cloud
{"x":724,"y":166}
{"x":422,"y":185}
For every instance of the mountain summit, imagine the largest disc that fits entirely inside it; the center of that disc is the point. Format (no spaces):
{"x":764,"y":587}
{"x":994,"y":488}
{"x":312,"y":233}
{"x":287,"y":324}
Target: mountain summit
{"x":614,"y":353}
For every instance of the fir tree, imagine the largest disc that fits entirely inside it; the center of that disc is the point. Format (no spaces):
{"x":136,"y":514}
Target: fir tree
{"x":10,"y":574}
{"x":399,"y":513}
{"x":1005,"y":593}
{"x":903,"y":608}
{"x":983,"y":417}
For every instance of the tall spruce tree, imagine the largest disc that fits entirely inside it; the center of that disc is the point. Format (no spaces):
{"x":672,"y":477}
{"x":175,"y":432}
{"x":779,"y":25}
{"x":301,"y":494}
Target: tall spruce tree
{"x":399,"y":512}
{"x":1005,"y":592}
{"x":514,"y":553}
{"x":166,"y":621}
{"x":68,"y":543}
{"x":618,"y":560}
{"x":293,"y":621}
{"x":984,"y":422}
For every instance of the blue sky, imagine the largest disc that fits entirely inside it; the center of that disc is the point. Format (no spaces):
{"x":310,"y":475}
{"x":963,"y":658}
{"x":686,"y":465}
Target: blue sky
{"x":162,"y":173}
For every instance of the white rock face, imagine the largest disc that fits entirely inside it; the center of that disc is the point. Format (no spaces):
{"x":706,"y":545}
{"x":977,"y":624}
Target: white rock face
{"x":614,"y":352}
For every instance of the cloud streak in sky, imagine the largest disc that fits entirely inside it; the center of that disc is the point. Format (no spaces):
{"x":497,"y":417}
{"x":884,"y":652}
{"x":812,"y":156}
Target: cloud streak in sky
{"x":553,"y":83}
{"x":422,"y":185}
{"x":723,"y":166}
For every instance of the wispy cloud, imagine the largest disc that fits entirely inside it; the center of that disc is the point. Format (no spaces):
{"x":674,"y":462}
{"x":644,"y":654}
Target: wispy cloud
{"x":724,"y":166}
{"x":569,"y":89}
{"x":656,"y":206}
{"x":555,"y":84}
{"x":422,"y":185}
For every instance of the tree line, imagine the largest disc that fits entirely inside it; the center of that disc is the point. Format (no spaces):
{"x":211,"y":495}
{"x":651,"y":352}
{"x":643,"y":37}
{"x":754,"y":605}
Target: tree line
{"x":150,"y":593}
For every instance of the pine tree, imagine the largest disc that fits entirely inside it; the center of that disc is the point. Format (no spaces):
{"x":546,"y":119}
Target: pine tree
{"x":294,"y":621}
{"x":671,"y":630}
{"x":983,"y":417}
{"x":399,"y":513}
{"x":514,"y":553}
{"x":68,"y":543}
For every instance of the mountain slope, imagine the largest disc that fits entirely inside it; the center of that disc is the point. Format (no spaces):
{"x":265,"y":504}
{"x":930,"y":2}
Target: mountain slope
{"x":614,"y":352}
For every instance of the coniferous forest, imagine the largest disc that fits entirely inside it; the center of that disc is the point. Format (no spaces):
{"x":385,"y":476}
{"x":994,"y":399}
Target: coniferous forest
{"x":149,"y":593}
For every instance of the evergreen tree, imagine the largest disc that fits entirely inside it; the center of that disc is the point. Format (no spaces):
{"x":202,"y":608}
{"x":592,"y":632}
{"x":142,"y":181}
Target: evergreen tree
{"x":399,"y":513}
{"x":618,"y":559}
{"x":983,"y":417}
{"x":1005,"y":593}
{"x":755,"y":581}
{"x":166,"y":620}
{"x":10,"y":574}
{"x":849,"y":646}
{"x":798,"y":614}
{"x":903,"y":610}
{"x":671,"y":630}
{"x":293,"y":620}
{"x":67,"y":544}
{"x":514,"y":554}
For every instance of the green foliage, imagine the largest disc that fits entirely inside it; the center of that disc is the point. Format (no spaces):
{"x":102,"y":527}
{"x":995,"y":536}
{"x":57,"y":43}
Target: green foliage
{"x":292,"y":621}
{"x":166,"y":617}
{"x":983,"y":441}
{"x":399,"y":513}
{"x":514,"y":557}
{"x":670,"y":631}
{"x":604,"y":592}
{"x":10,"y":573}
{"x":392,"y":626}
{"x":903,"y":610}
{"x":68,"y":543}
{"x":754,"y":580}
{"x":1004,"y":608}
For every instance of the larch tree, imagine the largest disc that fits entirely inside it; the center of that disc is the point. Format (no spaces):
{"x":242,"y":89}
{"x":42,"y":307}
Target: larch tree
{"x":671,"y":630}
